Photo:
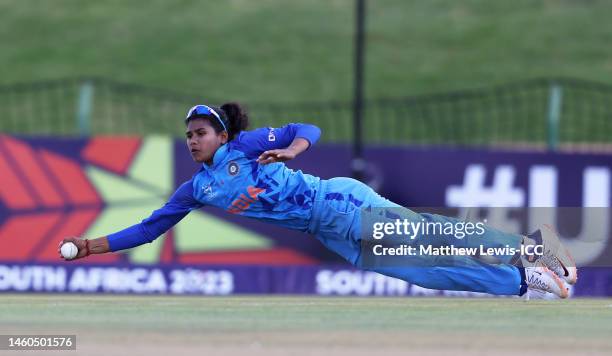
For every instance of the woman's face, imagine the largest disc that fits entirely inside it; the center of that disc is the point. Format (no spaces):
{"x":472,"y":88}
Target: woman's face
{"x":203,"y":141}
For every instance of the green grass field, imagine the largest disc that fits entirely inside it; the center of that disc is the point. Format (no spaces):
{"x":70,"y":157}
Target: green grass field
{"x":122,"y":325}
{"x":277,"y":51}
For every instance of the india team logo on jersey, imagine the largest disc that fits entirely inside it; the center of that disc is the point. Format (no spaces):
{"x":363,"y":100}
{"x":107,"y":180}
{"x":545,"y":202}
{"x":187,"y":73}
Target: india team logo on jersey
{"x":243,"y":201}
{"x":233,"y":168}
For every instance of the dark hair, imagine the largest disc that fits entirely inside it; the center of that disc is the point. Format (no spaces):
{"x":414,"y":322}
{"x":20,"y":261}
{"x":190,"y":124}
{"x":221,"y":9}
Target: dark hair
{"x":237,"y":118}
{"x":234,"y":118}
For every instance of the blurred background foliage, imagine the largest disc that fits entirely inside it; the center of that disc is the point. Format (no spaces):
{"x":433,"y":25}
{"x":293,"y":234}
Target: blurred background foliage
{"x":274,"y":50}
{"x":294,"y":53}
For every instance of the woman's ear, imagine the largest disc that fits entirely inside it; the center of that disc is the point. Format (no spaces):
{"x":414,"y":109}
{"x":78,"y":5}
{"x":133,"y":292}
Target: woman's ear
{"x":224,"y":137}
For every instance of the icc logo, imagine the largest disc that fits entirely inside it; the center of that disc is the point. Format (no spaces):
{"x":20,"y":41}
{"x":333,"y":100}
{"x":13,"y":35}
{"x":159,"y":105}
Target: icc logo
{"x":207,"y":189}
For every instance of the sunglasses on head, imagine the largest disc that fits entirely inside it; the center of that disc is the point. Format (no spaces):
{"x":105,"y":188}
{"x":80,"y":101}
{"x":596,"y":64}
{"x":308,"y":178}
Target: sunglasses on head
{"x":204,"y":111}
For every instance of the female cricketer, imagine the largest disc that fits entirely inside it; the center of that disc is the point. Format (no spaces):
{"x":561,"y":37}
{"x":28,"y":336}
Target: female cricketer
{"x":243,"y":173}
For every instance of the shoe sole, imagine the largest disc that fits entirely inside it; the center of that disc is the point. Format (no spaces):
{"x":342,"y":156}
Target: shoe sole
{"x":564,"y":292}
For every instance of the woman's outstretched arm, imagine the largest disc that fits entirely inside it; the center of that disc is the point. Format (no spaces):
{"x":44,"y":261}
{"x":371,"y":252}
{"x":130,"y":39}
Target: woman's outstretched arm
{"x":179,"y":205}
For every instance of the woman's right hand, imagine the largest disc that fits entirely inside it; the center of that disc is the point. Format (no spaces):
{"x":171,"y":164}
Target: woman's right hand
{"x":81,"y":244}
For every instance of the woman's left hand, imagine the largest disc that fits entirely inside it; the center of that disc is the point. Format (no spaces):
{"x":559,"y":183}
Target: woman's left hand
{"x":272,"y":156}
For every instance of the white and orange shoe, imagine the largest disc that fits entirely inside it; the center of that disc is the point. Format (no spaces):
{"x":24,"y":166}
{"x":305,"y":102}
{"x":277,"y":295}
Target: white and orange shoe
{"x":542,"y":279}
{"x":555,"y":256}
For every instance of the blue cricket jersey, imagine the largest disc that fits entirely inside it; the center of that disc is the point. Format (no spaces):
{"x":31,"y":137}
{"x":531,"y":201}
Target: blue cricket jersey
{"x":235,"y":182}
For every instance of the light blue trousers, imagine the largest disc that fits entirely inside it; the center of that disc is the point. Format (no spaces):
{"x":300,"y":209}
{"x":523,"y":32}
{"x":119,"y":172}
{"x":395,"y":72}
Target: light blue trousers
{"x":337,"y":223}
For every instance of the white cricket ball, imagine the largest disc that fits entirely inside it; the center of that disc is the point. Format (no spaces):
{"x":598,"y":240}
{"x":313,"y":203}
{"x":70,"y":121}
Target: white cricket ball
{"x":69,"y":250}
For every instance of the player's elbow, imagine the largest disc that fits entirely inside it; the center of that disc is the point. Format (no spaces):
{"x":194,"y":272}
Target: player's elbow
{"x":312,"y":133}
{"x":317,"y":131}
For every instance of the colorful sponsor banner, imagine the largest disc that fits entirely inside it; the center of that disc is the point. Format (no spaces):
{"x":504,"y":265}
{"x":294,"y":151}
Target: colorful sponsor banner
{"x":522,"y":189}
{"x":51,"y":188}
{"x":229,"y":280}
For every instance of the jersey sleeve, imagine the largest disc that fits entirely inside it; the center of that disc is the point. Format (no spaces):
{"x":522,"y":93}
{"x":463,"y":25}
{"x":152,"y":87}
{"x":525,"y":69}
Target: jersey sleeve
{"x":255,"y":142}
{"x":149,"y":229}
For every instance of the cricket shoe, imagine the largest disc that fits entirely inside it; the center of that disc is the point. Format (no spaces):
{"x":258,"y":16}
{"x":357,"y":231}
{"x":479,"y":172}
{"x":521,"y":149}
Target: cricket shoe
{"x":543,"y":279}
{"x":554,"y":255}
{"x":536,"y":294}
